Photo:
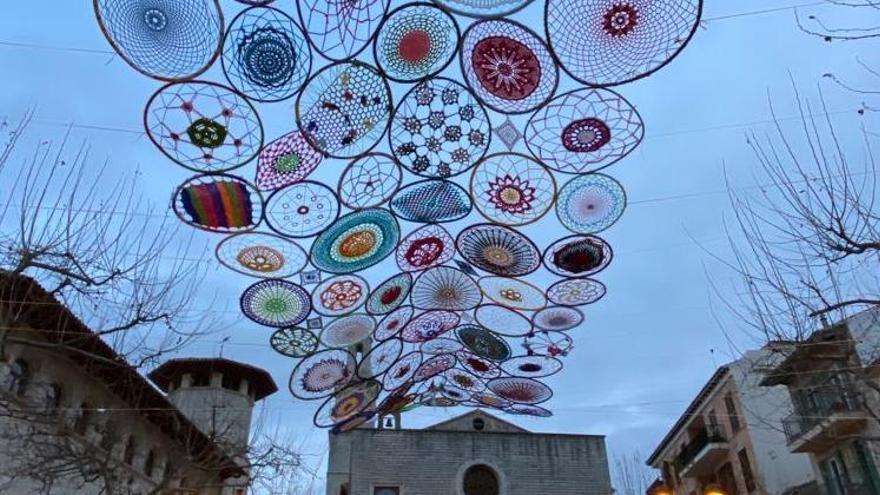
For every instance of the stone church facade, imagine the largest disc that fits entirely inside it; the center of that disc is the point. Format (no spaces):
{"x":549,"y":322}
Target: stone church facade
{"x":472,"y":454}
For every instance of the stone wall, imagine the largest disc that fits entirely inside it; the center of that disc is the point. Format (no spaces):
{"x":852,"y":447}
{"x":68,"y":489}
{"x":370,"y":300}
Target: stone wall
{"x":31,"y":434}
{"x":216,"y":411}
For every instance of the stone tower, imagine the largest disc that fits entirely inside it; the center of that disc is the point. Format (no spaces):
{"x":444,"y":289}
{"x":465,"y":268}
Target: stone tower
{"x":217,"y":395}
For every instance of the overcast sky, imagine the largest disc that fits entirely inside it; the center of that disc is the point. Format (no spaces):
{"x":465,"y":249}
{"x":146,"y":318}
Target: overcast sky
{"x":648,"y":346}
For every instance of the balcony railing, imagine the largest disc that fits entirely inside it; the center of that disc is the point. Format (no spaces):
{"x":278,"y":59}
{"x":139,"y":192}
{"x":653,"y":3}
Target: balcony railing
{"x":823,"y":404}
{"x":710,"y":434}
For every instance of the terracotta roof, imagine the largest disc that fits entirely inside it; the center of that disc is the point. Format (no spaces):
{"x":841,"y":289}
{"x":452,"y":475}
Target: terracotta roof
{"x":26,"y":303}
{"x":260,"y":380}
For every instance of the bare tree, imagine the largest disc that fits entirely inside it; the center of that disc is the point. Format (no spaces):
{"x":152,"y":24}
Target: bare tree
{"x":807,"y":241}
{"x":124,"y":268}
{"x":275,"y":459}
{"x":806,"y":249}
{"x":631,"y":475}
{"x":95,"y":243}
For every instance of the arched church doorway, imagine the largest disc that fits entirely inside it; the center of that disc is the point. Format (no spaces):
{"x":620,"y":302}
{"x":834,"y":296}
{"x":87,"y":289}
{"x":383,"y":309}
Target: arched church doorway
{"x":480,"y":480}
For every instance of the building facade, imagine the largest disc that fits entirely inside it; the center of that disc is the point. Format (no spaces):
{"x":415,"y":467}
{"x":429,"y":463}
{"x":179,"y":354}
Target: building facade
{"x":729,"y":436}
{"x":473,"y":454}
{"x":833,"y":380}
{"x":76,"y":419}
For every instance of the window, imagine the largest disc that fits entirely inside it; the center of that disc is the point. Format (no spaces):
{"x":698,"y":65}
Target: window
{"x":83,"y":419}
{"x":842,"y":461}
{"x":714,"y":428}
{"x":52,"y":400}
{"x":844,"y":398}
{"x":480,"y":480}
{"x":109,"y":436}
{"x":835,"y":475}
{"x":746,"y":467}
{"x":168,"y":471}
{"x":667,"y":473}
{"x":386,"y":490}
{"x":869,"y":473}
{"x":201,"y":380}
{"x":231,"y":382}
{"x":149,"y":464}
{"x":727,"y":479}
{"x":731,"y":412}
{"x":18,"y":378}
{"x":128,"y":455}
{"x":479,"y":424}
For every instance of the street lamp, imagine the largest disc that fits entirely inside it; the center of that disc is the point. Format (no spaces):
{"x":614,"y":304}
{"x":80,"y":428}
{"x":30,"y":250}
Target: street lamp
{"x":714,"y":490}
{"x":663,"y":490}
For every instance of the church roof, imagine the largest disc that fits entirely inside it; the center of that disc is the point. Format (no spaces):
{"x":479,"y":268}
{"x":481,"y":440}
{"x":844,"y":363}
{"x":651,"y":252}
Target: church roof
{"x":464,"y":422}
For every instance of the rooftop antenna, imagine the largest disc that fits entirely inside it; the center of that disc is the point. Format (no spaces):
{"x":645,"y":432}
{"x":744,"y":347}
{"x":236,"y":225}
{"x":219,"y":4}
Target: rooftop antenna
{"x":223,"y":343}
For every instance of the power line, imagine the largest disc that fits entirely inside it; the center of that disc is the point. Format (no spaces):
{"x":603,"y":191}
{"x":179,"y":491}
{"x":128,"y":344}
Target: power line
{"x":585,"y":409}
{"x":56,"y":48}
{"x":621,"y":335}
{"x":238,"y":312}
{"x":740,"y":125}
{"x":89,"y":127}
{"x":695,"y":130}
{"x":129,"y":254}
{"x":764,"y":11}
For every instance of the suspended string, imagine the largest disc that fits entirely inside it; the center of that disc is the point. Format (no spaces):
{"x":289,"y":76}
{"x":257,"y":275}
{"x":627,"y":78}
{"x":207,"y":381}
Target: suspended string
{"x":622,"y":407}
{"x":695,"y":130}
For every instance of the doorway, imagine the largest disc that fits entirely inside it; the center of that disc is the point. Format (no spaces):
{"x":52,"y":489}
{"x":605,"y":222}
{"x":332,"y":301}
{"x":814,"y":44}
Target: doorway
{"x":480,"y":480}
